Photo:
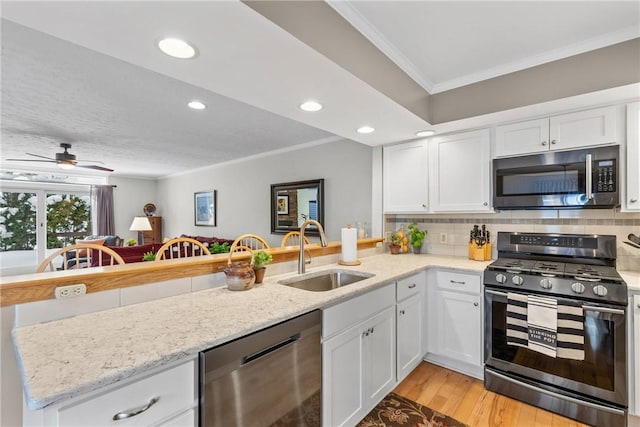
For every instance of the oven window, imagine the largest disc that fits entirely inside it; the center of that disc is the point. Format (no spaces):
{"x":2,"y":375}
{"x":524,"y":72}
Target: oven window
{"x":534,"y":181}
{"x":596,"y":370}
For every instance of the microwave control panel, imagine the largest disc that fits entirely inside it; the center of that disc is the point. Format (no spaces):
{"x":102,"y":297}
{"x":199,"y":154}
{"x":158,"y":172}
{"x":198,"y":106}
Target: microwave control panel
{"x":604,"y":176}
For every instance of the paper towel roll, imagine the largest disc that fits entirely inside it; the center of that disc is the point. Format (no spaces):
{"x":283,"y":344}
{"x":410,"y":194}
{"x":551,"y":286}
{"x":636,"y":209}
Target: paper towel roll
{"x":349,"y":238}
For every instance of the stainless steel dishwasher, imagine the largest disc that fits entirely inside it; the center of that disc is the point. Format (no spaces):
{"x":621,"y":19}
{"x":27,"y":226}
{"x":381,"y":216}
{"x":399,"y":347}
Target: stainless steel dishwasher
{"x":272,"y":377}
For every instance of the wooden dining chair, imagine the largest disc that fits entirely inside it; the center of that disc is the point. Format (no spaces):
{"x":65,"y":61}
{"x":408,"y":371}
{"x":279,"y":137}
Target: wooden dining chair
{"x":252,"y":241}
{"x":181,"y":247}
{"x":292,"y":238}
{"x":81,"y":255}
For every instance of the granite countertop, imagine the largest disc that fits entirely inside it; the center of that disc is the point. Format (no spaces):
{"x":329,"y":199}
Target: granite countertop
{"x":69,"y":357}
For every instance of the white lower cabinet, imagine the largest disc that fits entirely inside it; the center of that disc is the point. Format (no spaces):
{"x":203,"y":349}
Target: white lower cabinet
{"x":358,"y":369}
{"x":167,"y":397}
{"x":410,"y":347}
{"x":634,"y":356}
{"x":455,"y":334}
{"x":409,"y":335}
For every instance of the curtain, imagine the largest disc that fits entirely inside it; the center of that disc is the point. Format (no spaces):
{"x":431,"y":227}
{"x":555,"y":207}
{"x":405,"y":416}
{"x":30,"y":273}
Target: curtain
{"x":105,"y":223}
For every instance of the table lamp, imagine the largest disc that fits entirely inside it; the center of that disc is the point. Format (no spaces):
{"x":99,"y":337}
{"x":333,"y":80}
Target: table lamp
{"x":140,"y":224}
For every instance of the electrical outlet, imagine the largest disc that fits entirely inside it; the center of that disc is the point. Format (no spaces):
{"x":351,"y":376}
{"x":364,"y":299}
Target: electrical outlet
{"x":70,"y":291}
{"x":443,"y":237}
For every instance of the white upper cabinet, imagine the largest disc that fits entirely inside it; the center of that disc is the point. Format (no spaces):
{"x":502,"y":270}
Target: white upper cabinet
{"x":524,"y":137}
{"x":405,"y":177}
{"x":460,"y":172}
{"x":574,"y":130}
{"x":632,"y":199}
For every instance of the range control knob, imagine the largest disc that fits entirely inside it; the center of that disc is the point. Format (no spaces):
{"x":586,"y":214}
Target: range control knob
{"x":600,"y":291}
{"x":546,"y":283}
{"x":501,"y":278}
{"x":517,"y":280}
{"x":577,"y":287}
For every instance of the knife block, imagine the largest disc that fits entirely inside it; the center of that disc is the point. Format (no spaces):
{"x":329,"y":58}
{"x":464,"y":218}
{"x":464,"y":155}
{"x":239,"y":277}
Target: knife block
{"x":482,"y":253}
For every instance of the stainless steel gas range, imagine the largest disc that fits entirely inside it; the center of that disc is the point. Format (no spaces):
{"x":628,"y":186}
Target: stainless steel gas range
{"x":555,"y":325}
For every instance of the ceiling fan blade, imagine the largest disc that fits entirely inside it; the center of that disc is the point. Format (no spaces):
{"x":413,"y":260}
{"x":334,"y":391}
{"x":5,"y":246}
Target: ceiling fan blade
{"x":91,"y":161}
{"x":37,"y":155}
{"x":96,"y":167}
{"x":31,"y":160}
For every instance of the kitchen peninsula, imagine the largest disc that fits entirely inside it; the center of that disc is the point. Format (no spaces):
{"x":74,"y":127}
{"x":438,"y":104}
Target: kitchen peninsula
{"x":103,"y":348}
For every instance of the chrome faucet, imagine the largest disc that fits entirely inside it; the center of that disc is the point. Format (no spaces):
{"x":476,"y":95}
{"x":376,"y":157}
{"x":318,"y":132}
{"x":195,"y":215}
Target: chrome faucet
{"x":323,"y":242}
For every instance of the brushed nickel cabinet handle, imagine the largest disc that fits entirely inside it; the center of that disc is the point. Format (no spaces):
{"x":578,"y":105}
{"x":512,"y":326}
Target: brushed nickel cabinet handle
{"x":544,"y":142}
{"x":411,"y":286}
{"x":462,"y":282}
{"x":475,"y":304}
{"x":553,"y":141}
{"x":135,"y":411}
{"x":633,"y":200}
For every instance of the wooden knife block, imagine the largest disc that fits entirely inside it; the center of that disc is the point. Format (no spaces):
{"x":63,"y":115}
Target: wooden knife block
{"x":480,"y":254}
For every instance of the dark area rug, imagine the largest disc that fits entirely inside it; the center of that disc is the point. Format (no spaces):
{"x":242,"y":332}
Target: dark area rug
{"x":395,"y":411}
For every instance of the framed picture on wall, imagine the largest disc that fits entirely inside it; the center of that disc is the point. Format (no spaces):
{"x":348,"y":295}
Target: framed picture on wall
{"x":204,"y":208}
{"x":283,"y":205}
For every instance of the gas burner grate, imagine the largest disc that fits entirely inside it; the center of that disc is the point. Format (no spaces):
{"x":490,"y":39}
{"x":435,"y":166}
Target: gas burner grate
{"x":594,"y":271}
{"x":548,"y":267}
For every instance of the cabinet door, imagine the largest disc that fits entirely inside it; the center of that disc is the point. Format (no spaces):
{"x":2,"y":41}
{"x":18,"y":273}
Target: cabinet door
{"x":405,"y":185}
{"x":408,"y":335}
{"x":460,"y":172}
{"x":521,"y":138}
{"x":380,"y":357}
{"x":343,"y":378}
{"x":584,"y":128}
{"x":458,"y":326}
{"x":635,"y":341}
{"x":632,"y":200}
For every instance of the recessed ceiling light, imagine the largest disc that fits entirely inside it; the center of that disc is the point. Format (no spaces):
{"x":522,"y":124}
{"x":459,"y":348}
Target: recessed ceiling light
{"x":365,"y":129}
{"x":425,"y":133}
{"x":196,"y":105}
{"x":311,"y":106}
{"x":177,"y":48}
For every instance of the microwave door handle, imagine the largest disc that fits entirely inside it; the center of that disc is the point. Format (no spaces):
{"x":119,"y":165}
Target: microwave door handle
{"x":589,"y":177}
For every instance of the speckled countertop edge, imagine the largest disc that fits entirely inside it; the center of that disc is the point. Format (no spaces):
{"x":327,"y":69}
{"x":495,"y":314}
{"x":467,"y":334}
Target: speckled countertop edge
{"x":65,"y":358}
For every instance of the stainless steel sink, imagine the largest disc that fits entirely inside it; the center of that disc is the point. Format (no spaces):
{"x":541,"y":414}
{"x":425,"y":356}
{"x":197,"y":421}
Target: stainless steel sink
{"x":325,"y":280}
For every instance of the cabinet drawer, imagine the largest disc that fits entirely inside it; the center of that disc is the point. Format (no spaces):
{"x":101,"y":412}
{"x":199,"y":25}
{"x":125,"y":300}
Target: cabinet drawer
{"x":174,"y":388}
{"x":408,"y":286}
{"x":353,"y":311}
{"x":459,"y":282}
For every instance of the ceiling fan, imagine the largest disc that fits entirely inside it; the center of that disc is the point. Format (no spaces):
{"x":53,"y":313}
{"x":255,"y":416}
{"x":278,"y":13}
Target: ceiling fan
{"x":65,"y":160}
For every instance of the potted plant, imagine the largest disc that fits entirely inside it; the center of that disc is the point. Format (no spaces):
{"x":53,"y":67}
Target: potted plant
{"x":149,"y":256}
{"x":416,"y":237}
{"x":219,"y":248}
{"x":395,"y":242}
{"x":131,"y":242}
{"x":260,"y":260}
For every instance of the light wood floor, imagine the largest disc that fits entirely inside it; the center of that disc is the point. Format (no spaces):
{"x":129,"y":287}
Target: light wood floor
{"x":465,"y":399}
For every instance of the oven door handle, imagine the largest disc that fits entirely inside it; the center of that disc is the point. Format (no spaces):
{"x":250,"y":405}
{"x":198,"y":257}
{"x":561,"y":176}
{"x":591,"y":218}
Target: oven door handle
{"x":603,"y":309}
{"x":498,"y":293}
{"x":557,"y":395}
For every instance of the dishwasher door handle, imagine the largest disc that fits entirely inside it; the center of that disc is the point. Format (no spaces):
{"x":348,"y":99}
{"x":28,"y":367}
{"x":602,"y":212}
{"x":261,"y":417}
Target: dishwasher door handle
{"x":260,"y":353}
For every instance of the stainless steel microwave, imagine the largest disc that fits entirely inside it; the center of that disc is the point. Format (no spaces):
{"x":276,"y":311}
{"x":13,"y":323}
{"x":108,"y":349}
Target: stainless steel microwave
{"x":585,"y":178}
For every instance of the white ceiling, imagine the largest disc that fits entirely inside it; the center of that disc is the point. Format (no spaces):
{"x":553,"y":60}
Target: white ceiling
{"x":446,"y":44}
{"x":91,"y":74}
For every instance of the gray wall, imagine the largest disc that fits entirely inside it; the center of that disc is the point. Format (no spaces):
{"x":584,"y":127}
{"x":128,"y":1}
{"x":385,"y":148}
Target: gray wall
{"x":243,"y":190}
{"x":605,"y":68}
{"x":129,"y":198}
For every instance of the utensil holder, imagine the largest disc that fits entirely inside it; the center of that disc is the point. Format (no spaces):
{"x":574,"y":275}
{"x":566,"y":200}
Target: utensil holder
{"x":482,"y":253}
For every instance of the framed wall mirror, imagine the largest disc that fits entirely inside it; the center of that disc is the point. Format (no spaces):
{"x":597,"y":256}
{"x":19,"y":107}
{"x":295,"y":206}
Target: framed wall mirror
{"x":292,"y":203}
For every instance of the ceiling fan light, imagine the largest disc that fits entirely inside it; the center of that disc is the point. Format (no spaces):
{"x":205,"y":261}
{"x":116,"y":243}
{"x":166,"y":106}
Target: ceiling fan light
{"x":66,"y":165}
{"x":177,"y":48}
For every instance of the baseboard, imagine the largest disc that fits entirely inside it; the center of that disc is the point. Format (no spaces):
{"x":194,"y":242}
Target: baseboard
{"x":455,"y":365}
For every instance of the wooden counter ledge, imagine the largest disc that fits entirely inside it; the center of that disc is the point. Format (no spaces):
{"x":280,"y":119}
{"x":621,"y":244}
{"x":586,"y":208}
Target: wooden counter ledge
{"x":25,"y":288}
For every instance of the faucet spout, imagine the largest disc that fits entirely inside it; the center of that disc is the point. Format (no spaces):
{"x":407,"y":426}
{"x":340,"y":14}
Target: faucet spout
{"x":323,"y":242}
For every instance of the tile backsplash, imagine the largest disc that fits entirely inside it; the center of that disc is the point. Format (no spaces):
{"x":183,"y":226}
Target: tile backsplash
{"x":456,"y":227}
